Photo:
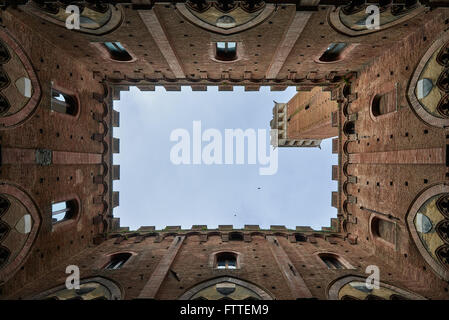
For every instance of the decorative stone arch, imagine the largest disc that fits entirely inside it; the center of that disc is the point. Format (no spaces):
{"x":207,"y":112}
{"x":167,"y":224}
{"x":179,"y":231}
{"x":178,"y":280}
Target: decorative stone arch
{"x":416,"y":106}
{"x":336,"y":23}
{"x":19,"y":255}
{"x":264,"y":294}
{"x":334,"y":288}
{"x":113,"y":288}
{"x":265,"y":13}
{"x":18,"y":56}
{"x":416,"y":205}
{"x":114,"y":21}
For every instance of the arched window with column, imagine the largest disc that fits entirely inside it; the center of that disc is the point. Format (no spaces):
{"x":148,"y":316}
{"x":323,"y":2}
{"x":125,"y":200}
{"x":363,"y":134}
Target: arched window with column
{"x":226,"y":260}
{"x":96,"y":288}
{"x":64,"y":210}
{"x":64,"y":103}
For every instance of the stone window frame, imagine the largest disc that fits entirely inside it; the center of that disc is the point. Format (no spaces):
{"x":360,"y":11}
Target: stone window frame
{"x":379,"y":240}
{"x":335,"y":22}
{"x":264,"y":15}
{"x":10,"y":268}
{"x":336,"y":256}
{"x":113,"y":287}
{"x":65,"y":225}
{"x":238,"y":259}
{"x":334,"y":287}
{"x":420,"y":199}
{"x":384,"y":89}
{"x":69,"y":92}
{"x":264,"y":294}
{"x":416,"y":106}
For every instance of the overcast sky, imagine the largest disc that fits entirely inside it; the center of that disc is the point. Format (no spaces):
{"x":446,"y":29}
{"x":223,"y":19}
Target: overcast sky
{"x":156,"y":192}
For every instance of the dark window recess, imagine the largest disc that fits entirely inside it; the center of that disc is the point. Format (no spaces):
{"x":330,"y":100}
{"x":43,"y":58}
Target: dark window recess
{"x":300,"y":238}
{"x":331,"y":262}
{"x":383,"y":229}
{"x":333,"y":52}
{"x":235,"y":236}
{"x":226,"y":51}
{"x":117,"y":261}
{"x":63,"y":103}
{"x":383,"y":104}
{"x":226,"y":260}
{"x":117,"y":51}
{"x":64,"y":210}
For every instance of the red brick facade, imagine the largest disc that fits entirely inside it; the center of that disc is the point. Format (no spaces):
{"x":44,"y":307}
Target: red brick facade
{"x":389,"y":165}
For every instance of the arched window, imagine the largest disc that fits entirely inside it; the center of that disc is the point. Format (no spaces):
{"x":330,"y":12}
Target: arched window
{"x":117,"y":52}
{"x":64,"y":210}
{"x":226,"y":260}
{"x":226,"y":51}
{"x":333,"y":52}
{"x":383,"y":229}
{"x":235,"y":236}
{"x":63,"y":103}
{"x":331,"y":261}
{"x":90,"y":289}
{"x":383,"y":104}
{"x":117,"y":261}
